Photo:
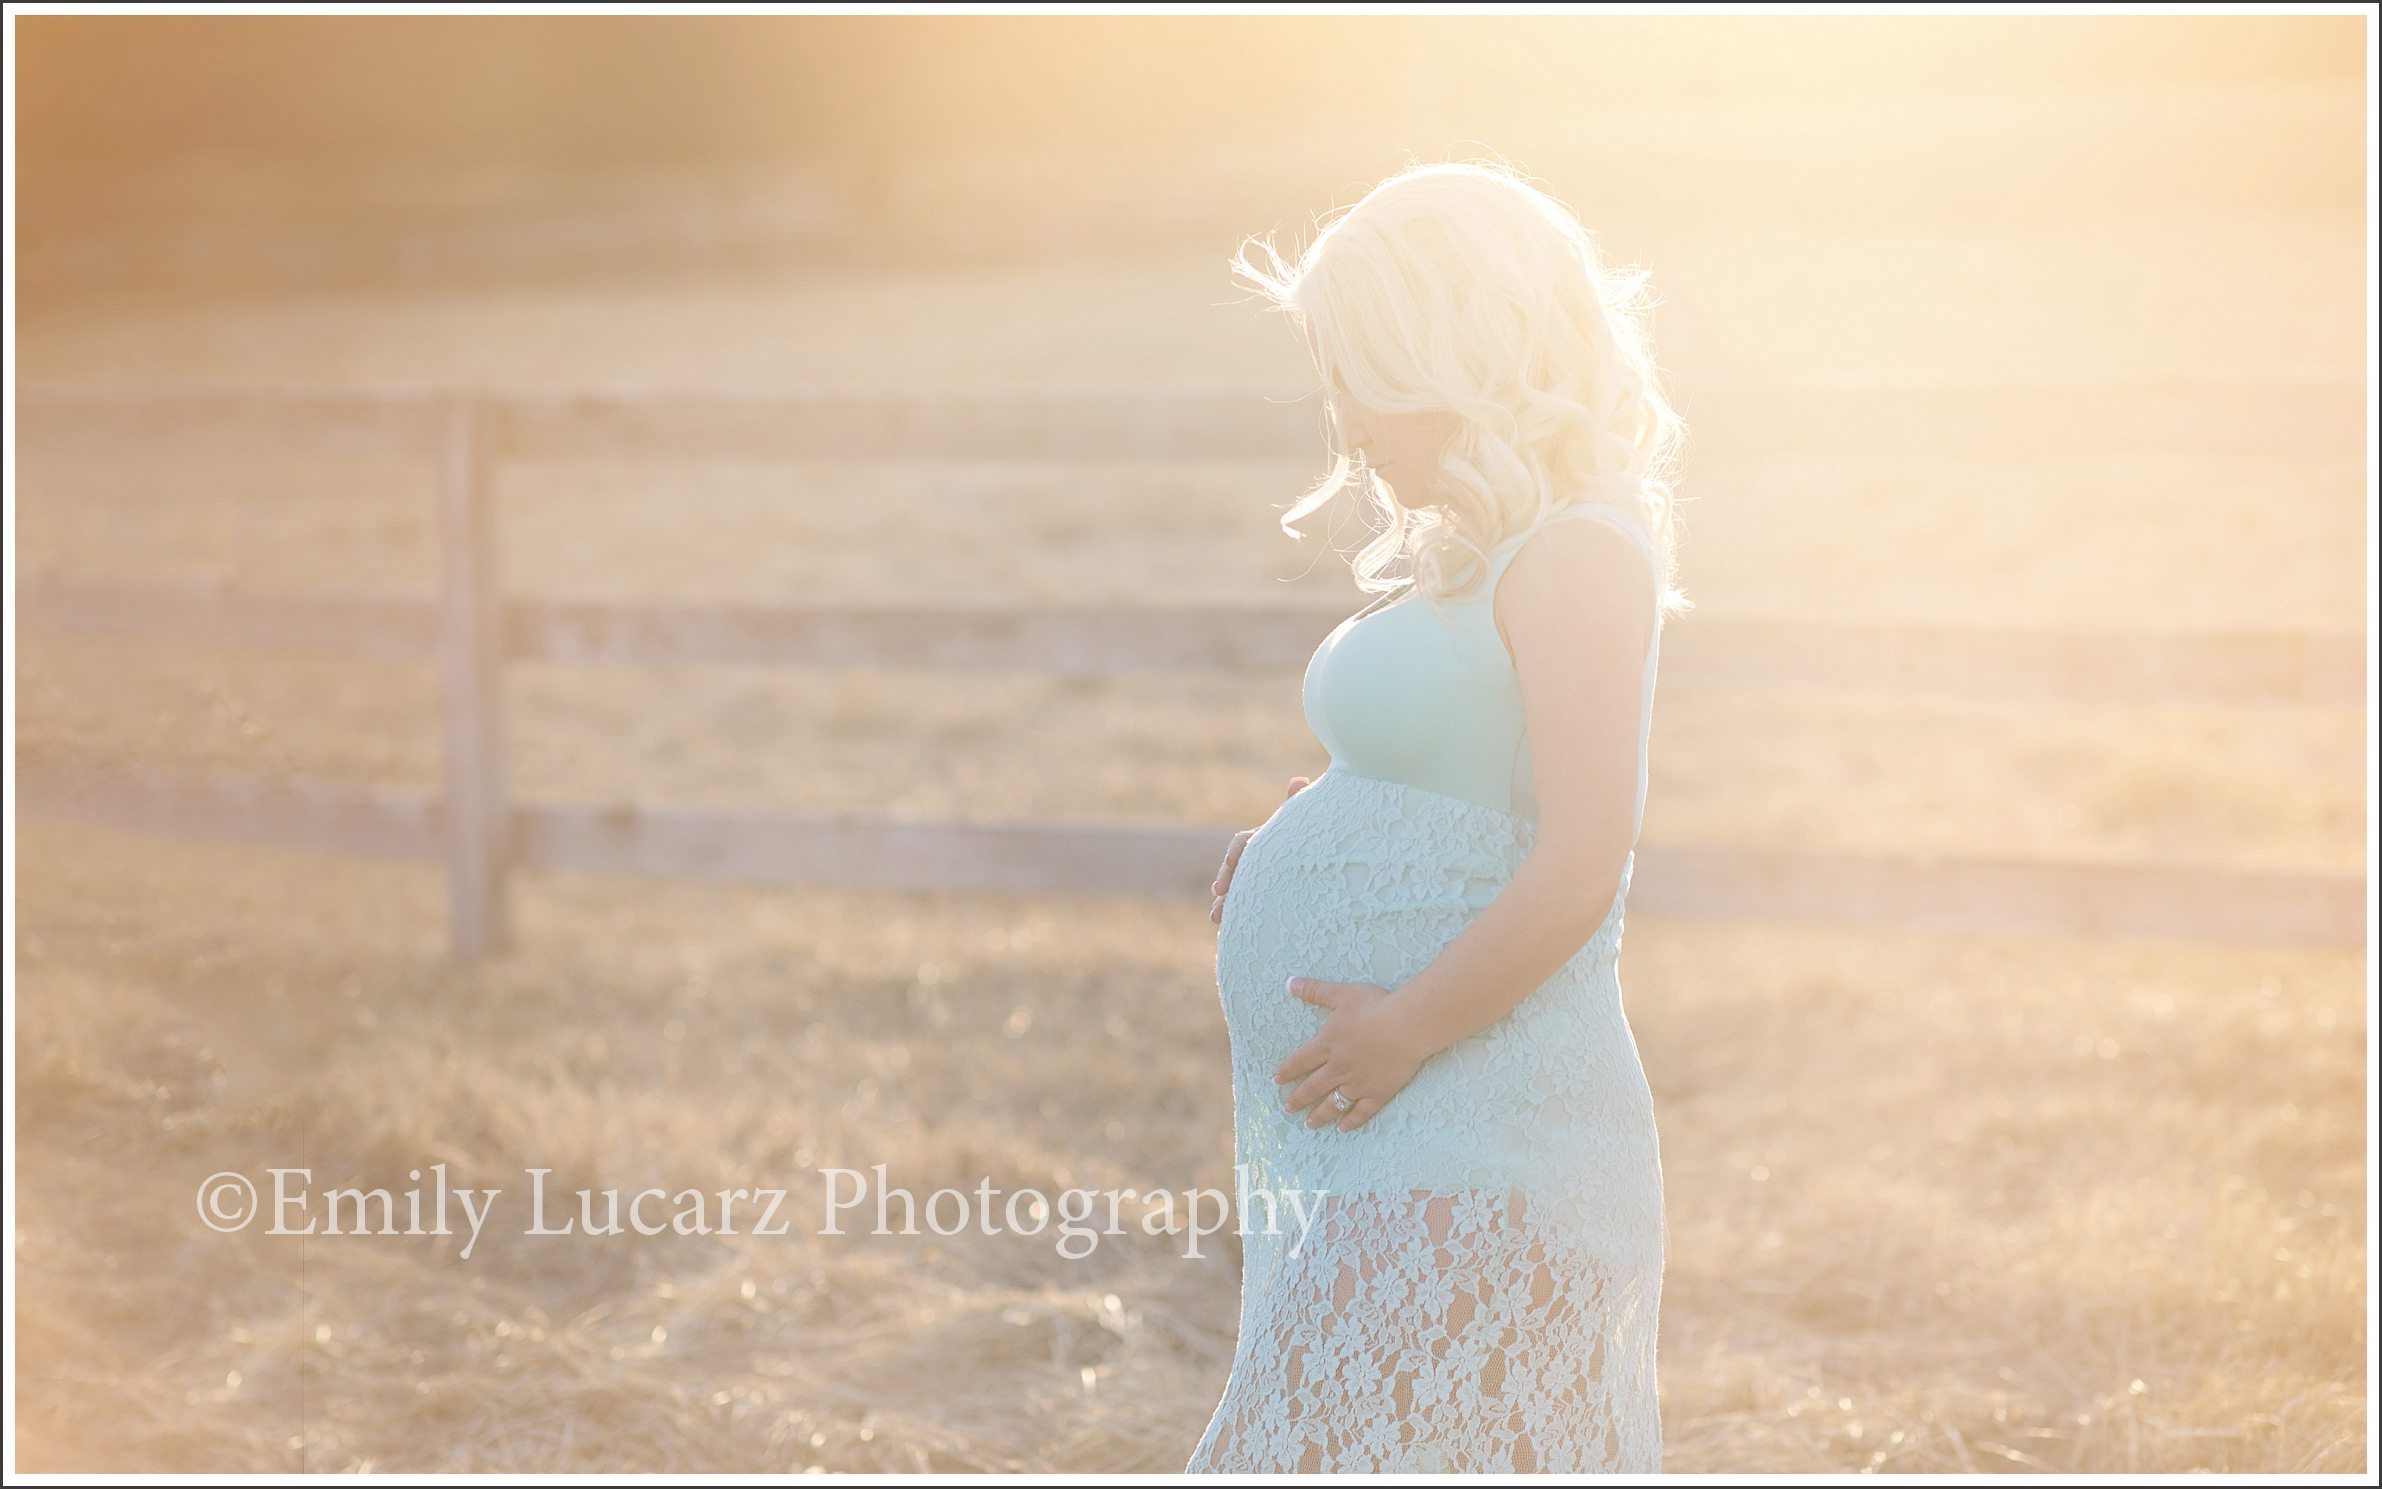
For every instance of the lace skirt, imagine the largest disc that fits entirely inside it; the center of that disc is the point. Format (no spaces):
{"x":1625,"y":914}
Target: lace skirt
{"x":1477,"y":1288}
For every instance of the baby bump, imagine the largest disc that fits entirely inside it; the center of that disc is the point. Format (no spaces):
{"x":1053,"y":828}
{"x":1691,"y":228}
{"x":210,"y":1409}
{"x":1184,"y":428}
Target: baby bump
{"x":1354,"y":880}
{"x":1360,"y":880}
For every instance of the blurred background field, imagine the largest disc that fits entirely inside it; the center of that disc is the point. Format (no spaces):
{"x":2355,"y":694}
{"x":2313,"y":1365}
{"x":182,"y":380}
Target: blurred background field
{"x":1939,"y":1203}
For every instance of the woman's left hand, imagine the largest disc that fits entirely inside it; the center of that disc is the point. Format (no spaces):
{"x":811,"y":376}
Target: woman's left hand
{"x":1364,"y":1051}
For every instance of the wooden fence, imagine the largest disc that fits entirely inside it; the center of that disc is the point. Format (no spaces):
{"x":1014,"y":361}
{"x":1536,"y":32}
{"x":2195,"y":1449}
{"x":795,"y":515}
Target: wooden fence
{"x":482,"y":835}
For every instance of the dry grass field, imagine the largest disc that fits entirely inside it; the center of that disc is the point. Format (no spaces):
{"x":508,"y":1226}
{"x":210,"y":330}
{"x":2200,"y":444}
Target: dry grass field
{"x":1938,"y":1203}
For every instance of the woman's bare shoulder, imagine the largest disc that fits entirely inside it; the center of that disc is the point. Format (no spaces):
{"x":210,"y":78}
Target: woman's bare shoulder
{"x":1576,"y":584}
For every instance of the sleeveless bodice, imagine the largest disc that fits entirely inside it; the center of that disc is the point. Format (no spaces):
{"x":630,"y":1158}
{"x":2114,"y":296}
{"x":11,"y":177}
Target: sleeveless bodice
{"x":1426,"y":695}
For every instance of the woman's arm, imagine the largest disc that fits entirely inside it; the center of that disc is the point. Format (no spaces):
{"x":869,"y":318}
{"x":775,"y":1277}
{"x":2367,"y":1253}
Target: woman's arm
{"x":1575,"y":607}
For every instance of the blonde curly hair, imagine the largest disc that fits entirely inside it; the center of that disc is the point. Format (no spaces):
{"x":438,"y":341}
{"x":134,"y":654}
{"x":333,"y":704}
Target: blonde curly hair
{"x":1463,"y":288}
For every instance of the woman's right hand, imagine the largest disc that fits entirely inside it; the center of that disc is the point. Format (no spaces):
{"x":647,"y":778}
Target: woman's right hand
{"x":1232,"y":856}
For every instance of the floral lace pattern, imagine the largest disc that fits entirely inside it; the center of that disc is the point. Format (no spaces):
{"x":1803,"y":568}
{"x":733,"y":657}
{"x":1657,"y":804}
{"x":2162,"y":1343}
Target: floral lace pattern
{"x":1479,"y":1290}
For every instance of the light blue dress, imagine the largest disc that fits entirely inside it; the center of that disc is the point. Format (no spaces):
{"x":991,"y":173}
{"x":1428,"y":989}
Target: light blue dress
{"x":1478,"y":1290}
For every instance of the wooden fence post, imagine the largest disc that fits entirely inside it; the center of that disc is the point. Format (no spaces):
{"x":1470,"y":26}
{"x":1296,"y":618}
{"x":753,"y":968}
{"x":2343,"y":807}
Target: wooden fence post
{"x":471,"y":659}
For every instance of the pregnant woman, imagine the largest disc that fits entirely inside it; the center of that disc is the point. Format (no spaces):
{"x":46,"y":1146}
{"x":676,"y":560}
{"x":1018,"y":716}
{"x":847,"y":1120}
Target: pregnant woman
{"x":1417,"y":953}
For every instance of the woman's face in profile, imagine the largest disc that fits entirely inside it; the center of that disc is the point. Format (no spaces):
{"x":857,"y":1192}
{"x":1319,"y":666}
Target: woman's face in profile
{"x":1393,"y":445}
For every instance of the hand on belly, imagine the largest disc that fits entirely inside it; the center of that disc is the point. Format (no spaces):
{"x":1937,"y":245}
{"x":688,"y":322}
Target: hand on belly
{"x":1361,"y":1058}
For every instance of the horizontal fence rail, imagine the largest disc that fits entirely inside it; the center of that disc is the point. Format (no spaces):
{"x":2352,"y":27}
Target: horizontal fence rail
{"x":865,"y":850}
{"x":470,"y":630}
{"x":2066,"y":664}
{"x":238,"y":807}
{"x":2216,"y":416}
